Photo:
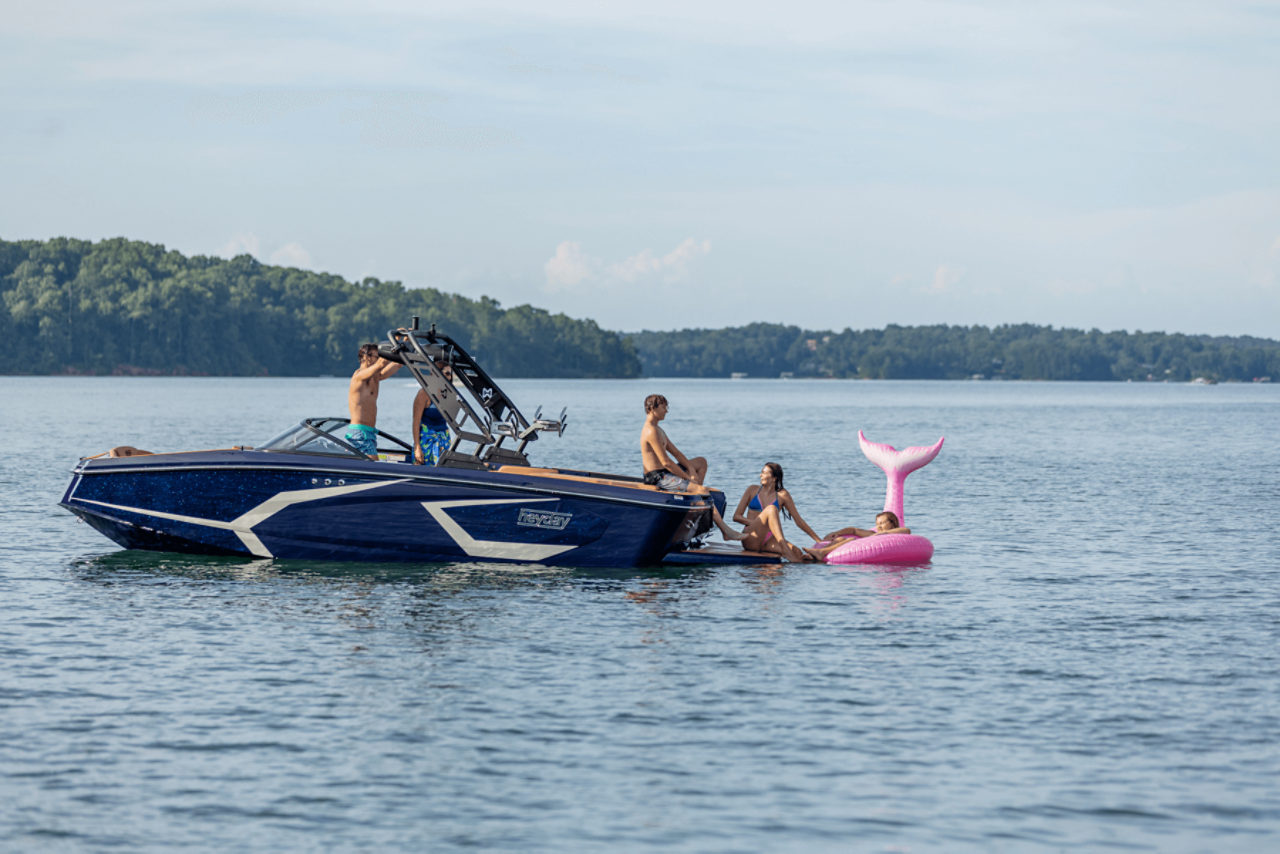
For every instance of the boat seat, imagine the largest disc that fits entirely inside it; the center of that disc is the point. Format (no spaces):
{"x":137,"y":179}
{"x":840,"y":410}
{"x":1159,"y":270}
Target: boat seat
{"x":130,"y":451}
{"x":127,"y":451}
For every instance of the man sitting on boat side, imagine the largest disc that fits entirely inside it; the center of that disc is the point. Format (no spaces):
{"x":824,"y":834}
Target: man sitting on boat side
{"x":362,"y":399}
{"x":659,"y":469}
{"x":673,"y":475}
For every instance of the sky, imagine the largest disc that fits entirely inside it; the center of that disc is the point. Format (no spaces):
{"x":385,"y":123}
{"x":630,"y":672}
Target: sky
{"x":663,"y":165}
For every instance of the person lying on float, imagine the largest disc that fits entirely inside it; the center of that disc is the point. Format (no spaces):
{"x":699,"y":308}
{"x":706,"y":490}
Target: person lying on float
{"x":886,"y":523}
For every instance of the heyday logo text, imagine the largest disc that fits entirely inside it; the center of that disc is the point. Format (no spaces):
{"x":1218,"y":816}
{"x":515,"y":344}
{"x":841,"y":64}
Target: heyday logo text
{"x":544,"y":519}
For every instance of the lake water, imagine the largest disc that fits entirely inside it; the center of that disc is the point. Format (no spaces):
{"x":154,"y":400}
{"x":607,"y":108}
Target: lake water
{"x":1091,"y":660}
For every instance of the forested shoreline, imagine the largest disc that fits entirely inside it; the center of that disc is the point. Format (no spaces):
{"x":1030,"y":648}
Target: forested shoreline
{"x":127,"y":307}
{"x":1022,"y":352}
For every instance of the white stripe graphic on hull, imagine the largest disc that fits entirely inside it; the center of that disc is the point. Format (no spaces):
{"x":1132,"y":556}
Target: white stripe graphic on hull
{"x":491,"y":548}
{"x":242,"y":526}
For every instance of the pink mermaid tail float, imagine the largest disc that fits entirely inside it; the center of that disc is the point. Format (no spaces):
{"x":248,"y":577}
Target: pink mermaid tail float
{"x":890,"y":548}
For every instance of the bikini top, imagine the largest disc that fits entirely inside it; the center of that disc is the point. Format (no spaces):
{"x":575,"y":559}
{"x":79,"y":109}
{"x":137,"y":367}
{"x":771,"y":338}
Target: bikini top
{"x":754,"y":504}
{"x":433,"y":419}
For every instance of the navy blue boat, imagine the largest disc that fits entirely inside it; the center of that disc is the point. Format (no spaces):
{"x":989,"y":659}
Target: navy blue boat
{"x":308,"y":494}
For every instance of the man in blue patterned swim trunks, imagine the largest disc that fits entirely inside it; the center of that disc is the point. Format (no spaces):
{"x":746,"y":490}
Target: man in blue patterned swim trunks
{"x":362,"y":399}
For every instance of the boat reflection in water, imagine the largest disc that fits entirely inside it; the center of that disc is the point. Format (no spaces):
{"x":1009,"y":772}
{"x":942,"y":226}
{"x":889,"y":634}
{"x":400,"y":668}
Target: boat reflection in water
{"x":307,"y":494}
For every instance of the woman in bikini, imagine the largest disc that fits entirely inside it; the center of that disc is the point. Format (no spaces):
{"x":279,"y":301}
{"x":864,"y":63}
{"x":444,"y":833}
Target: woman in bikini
{"x":429,"y":426}
{"x":761,"y":509}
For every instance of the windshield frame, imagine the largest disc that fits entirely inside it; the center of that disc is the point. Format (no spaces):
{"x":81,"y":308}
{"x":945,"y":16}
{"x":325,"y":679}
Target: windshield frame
{"x":322,"y":432}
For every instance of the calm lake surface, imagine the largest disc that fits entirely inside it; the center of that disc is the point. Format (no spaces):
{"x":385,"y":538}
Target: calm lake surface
{"x":1090,"y":662}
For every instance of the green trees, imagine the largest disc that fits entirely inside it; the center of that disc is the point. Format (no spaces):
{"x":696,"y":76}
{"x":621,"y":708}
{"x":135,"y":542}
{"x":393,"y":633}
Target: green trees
{"x":121,"y":306}
{"x":1022,"y":351}
{"x":760,"y":349}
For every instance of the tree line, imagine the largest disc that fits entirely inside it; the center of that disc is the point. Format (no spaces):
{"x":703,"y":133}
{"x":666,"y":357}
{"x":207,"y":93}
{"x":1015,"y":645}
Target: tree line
{"x":1024,"y":351}
{"x":127,"y":307}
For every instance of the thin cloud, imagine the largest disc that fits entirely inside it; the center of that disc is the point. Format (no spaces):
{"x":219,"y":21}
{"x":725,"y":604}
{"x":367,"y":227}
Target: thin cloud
{"x":529,"y":69}
{"x":398,"y":130}
{"x":246,"y":243}
{"x":672,"y":267}
{"x":265,"y":106}
{"x":571,"y":266}
{"x":240,"y":243}
{"x":943,"y":279}
{"x":254,"y":108}
{"x":291,"y":255}
{"x":1070,"y":287}
{"x":607,"y":72}
{"x":388,"y":120}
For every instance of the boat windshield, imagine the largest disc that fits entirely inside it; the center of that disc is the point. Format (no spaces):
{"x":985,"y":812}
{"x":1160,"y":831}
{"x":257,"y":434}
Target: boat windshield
{"x":313,"y":437}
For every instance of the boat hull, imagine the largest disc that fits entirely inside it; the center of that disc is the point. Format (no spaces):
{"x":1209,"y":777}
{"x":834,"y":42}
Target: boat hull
{"x":285,"y":506}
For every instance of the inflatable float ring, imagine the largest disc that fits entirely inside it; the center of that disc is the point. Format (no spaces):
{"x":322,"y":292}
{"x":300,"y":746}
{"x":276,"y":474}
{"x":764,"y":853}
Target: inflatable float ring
{"x":890,"y":548}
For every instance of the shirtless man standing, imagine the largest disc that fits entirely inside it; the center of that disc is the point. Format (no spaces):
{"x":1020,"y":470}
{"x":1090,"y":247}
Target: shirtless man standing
{"x":673,"y":475}
{"x":362,"y":399}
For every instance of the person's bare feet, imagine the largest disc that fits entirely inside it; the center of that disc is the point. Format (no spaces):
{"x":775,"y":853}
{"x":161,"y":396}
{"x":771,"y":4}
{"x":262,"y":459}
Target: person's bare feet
{"x":729,"y":534}
{"x":797,"y":555}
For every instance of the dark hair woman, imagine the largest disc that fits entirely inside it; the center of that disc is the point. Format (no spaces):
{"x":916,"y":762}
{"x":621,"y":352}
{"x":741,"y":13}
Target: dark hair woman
{"x":761,"y":509}
{"x":429,"y":426}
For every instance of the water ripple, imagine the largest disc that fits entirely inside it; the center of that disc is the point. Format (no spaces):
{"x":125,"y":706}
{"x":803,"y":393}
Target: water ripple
{"x":1081,"y":667}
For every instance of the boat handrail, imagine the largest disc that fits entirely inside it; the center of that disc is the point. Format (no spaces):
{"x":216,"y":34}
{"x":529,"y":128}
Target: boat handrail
{"x":484,"y":415}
